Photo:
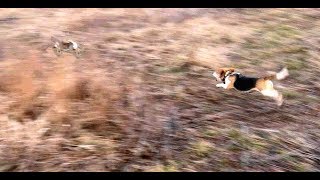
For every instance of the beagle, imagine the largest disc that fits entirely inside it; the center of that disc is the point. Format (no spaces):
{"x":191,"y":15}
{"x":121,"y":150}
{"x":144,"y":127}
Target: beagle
{"x":231,"y":79}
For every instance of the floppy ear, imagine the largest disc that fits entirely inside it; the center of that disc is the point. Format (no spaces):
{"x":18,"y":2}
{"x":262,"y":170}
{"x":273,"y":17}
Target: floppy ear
{"x":221,"y":72}
{"x":229,"y":71}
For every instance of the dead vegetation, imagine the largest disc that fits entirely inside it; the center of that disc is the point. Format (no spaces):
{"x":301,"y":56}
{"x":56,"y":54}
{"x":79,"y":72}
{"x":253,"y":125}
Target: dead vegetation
{"x":141,"y":97}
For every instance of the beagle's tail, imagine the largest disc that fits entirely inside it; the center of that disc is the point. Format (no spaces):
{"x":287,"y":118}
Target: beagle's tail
{"x":279,"y":76}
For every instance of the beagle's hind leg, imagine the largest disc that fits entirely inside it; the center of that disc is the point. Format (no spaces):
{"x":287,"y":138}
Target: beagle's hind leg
{"x":273,"y":94}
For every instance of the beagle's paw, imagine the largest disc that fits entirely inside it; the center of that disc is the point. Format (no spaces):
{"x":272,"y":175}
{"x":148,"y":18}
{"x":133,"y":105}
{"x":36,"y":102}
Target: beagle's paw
{"x":219,"y":85}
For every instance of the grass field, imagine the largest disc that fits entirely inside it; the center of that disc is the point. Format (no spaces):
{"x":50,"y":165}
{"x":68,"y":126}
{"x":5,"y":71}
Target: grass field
{"x":142,"y":98}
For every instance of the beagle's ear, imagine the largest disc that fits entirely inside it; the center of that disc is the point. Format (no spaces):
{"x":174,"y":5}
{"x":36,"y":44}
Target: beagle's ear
{"x":229,"y":71}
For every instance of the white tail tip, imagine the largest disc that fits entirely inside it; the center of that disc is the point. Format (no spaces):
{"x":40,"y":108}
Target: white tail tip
{"x":282,"y":74}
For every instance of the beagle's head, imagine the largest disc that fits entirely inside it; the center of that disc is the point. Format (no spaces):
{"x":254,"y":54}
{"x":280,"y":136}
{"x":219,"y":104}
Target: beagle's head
{"x":221,"y":73}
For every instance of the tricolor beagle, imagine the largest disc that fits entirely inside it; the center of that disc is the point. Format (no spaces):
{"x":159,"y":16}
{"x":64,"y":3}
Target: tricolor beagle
{"x":231,"y":79}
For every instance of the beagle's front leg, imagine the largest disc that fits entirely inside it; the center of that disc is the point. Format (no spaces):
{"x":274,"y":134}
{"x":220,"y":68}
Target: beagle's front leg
{"x":221,"y":85}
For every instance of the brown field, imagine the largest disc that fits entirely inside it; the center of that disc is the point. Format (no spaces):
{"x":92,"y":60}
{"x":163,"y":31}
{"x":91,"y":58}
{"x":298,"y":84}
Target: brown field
{"x":141,"y":96}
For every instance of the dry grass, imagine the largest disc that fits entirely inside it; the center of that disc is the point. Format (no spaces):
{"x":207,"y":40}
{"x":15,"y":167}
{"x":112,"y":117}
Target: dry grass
{"x":141,"y":96}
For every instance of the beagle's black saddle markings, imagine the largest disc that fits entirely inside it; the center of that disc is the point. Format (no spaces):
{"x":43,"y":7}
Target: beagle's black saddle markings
{"x":231,"y":79}
{"x":243,"y":83}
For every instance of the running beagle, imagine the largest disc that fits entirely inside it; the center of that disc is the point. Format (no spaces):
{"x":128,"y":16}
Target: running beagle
{"x":231,"y":79}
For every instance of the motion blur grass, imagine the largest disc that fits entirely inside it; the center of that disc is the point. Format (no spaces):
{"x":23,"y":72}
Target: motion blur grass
{"x":141,"y":97}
